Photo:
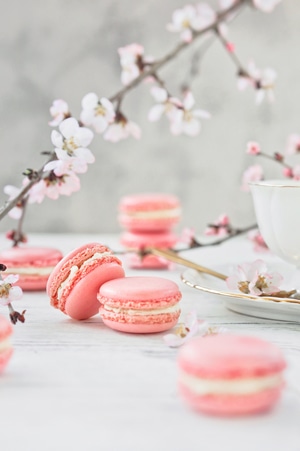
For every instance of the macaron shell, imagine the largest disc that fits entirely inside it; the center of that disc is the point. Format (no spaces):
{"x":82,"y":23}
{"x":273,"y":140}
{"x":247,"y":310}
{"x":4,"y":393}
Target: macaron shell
{"x":140,"y":328}
{"x":232,"y":405}
{"x":5,"y":356}
{"x":6,"y":331}
{"x":148,"y":202}
{"x":141,"y":240}
{"x":80,"y":301}
{"x":147,"y":225}
{"x":145,"y":262}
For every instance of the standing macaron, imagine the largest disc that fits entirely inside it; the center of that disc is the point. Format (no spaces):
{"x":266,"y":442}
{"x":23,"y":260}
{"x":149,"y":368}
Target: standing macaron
{"x":149,"y":212}
{"x":140,"y":304}
{"x":75,"y":281}
{"x":6,"y":348}
{"x":32,"y":264}
{"x":230,"y":374}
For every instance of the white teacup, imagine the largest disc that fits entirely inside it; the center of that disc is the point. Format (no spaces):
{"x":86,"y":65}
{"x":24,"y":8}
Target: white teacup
{"x":277,"y":208}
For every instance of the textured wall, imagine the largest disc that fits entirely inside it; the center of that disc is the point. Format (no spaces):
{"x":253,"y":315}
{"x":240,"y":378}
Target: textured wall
{"x":64,"y":49}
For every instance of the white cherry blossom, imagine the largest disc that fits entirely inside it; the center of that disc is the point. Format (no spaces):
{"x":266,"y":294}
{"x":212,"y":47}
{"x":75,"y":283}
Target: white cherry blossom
{"x":122,"y":129}
{"x":266,"y":6}
{"x":12,"y":192}
{"x":59,"y":111}
{"x":130,"y":59}
{"x":293,"y":144}
{"x":97,"y":113}
{"x":166,"y":105}
{"x":187,"y":121}
{"x":53,"y":187}
{"x":8,"y":292}
{"x":251,"y":174}
{"x":260,"y":79}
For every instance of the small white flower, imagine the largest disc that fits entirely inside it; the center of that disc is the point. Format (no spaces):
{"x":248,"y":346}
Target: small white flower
{"x":8,"y":292}
{"x":266,"y":6}
{"x":122,"y":129}
{"x":166,"y":105}
{"x":59,"y":111}
{"x":12,"y":192}
{"x":95,"y":112}
{"x":131,"y":57}
{"x":186,"y":120}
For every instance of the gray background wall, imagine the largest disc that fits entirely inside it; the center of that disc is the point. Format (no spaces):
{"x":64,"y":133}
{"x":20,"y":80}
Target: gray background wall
{"x":65,"y":49}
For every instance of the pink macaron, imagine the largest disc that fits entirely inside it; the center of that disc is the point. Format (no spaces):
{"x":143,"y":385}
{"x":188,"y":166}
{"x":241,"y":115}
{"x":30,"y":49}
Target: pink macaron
{"x":33,"y":265}
{"x":149,"y":212}
{"x":140,"y":304}
{"x":6,"y":349}
{"x":135,"y":243}
{"x":74,"y":283}
{"x":230,"y":374}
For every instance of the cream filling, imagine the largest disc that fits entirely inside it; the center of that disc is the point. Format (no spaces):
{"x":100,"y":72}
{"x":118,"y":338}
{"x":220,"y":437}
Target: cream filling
{"x":135,"y":312}
{"x":74,"y":269}
{"x":44,"y":271}
{"x":153,"y":214}
{"x":242,"y":386}
{"x":5,"y":344}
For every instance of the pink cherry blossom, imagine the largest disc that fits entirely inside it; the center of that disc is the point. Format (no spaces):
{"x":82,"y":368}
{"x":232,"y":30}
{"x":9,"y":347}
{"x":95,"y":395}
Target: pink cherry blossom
{"x":185,"y":120}
{"x":122,"y":129}
{"x":187,"y":235}
{"x":8,"y":292}
{"x":253,"y":278}
{"x":293,"y":144}
{"x":253,"y":148}
{"x":71,"y":143}
{"x":54,"y":186}
{"x":261,"y":80}
{"x":59,"y":111}
{"x":95,"y":112}
{"x":296,"y":172}
{"x":252,"y":174}
{"x":259,"y":243}
{"x":12,"y":192}
{"x":131,"y":57}
{"x":266,"y":6}
{"x":166,"y":105}
{"x":288,"y":172}
{"x":221,"y":227}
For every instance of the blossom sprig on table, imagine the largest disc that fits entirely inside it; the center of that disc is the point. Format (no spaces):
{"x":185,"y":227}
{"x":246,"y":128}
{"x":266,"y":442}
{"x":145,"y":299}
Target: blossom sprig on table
{"x":71,"y":155}
{"x":255,"y":279}
{"x":10,"y":293}
{"x":188,"y":329}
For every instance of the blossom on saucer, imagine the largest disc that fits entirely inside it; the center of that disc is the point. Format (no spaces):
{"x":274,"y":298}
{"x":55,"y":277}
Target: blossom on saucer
{"x":253,"y":148}
{"x":185,"y":120}
{"x":253,"y":278}
{"x":59,"y":110}
{"x":122,"y":128}
{"x":259,"y":243}
{"x":293,"y":144}
{"x":95,"y":112}
{"x":72,"y":141}
{"x":191,"y":18}
{"x":187,"y":330}
{"x":8,"y":292}
{"x":221,"y":227}
{"x":252,"y":174}
{"x":266,"y":6}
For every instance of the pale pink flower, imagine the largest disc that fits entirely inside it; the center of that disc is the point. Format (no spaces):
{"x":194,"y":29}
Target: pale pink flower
{"x":59,"y":111}
{"x":254,"y":279}
{"x":53,"y":187}
{"x":225,"y":4}
{"x":266,"y":6}
{"x":221,"y":227}
{"x":8,"y":292}
{"x":131,"y":57}
{"x":252,"y":174}
{"x":122,"y":129}
{"x":95,"y":112}
{"x":187,"y":235}
{"x":72,"y":141}
{"x":185,"y":120}
{"x":288,"y":172}
{"x":296,"y":172}
{"x":191,"y":19}
{"x":166,"y":105}
{"x":12,"y":192}
{"x":293,"y":144}
{"x":253,"y":148}
{"x":261,"y":80}
{"x":259,"y":243}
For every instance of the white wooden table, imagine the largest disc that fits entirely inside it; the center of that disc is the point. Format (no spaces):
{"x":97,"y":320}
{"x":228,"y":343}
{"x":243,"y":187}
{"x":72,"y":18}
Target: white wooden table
{"x":81,"y":386}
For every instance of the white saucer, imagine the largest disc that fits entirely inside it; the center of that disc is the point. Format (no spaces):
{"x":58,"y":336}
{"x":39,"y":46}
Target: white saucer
{"x":261,"y":307}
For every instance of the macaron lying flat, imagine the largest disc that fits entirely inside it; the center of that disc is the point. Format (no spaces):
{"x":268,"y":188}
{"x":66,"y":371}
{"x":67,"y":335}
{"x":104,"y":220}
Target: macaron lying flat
{"x":6,"y":349}
{"x":32,"y":264}
{"x":140,"y":304}
{"x":136,"y":242}
{"x":230,"y":375}
{"x":74,"y":283}
{"x":149,"y":212}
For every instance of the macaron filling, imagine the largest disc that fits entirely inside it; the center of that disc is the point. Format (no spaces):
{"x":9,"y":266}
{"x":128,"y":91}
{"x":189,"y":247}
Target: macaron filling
{"x":237,"y":386}
{"x":5,"y":344}
{"x":174,"y":212}
{"x":75,"y":268}
{"x":136,"y":312}
{"x":44,"y":271}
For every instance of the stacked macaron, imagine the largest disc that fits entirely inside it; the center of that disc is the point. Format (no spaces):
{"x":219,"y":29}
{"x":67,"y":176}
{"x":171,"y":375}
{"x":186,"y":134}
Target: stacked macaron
{"x":148,"y":220}
{"x":6,"y":349}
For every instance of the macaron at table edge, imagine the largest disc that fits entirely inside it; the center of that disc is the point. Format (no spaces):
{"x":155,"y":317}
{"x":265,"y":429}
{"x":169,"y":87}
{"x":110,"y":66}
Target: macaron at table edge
{"x":33,"y":265}
{"x":140,"y":304}
{"x":229,"y":375}
{"x":75,"y":281}
{"x":6,"y":349}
